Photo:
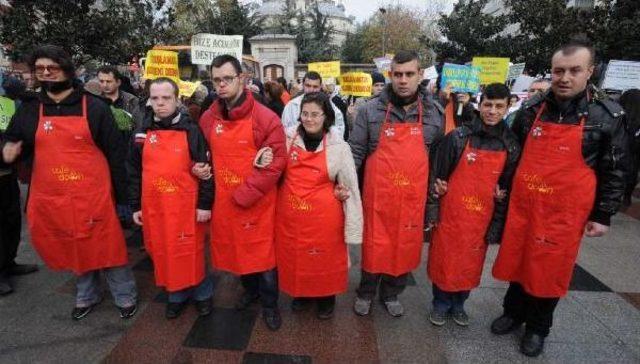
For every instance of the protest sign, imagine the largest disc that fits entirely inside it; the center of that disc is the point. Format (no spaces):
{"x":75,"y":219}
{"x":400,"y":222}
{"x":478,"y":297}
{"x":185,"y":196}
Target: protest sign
{"x":188,"y":88}
{"x":161,"y":64}
{"x":522,"y":83}
{"x":622,"y":75}
{"x":383,"y":64}
{"x":461,"y":78}
{"x":492,"y":69}
{"x":205,"y":47}
{"x":7,"y":109}
{"x":356,"y":84}
{"x":430,"y":73}
{"x":326,"y":69}
{"x":515,"y":71}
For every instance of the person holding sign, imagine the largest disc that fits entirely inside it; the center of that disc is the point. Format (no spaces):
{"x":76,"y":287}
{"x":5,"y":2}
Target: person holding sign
{"x":391,"y":137}
{"x":569,"y":182}
{"x":169,"y":202}
{"x":78,"y":164}
{"x":471,"y":215}
{"x":243,"y":223}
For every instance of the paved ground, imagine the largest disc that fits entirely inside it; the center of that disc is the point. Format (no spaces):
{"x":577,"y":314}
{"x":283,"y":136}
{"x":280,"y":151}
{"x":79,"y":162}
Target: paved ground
{"x":598,"y":322}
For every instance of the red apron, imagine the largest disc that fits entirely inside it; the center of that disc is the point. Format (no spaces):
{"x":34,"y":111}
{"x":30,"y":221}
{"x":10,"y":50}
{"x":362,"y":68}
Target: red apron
{"x":395,"y":193}
{"x":310,"y":246}
{"x":242,"y":240}
{"x":553,"y":194}
{"x":71,"y":212}
{"x":449,"y":118}
{"x":173,"y":238}
{"x":458,"y":248}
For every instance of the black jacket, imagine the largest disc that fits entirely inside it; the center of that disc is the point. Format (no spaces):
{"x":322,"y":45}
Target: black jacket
{"x":605,"y":145}
{"x":103,"y":129}
{"x":446,"y":156}
{"x":198,"y":149}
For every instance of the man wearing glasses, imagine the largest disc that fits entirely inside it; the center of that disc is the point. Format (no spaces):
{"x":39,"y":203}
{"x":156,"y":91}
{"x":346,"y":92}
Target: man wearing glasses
{"x":242,"y":236}
{"x":78,"y":163}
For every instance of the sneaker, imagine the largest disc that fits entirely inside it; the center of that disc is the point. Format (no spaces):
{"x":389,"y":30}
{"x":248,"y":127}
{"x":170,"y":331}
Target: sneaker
{"x":300,"y":304}
{"x":246,"y":300}
{"x":437,"y":318}
{"x":461,"y":318}
{"x":532,"y":344}
{"x":128,"y":312}
{"x":174,"y":309}
{"x":362,"y":306}
{"x":22,"y":269}
{"x":272,"y":318}
{"x":325,"y":310}
{"x":504,"y":325}
{"x":394,"y":308}
{"x":204,"y":307}
{"x":79,"y":313}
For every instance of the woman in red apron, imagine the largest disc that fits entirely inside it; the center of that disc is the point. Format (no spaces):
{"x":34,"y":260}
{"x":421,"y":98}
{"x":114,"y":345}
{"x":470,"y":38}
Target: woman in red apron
{"x":311,"y":237}
{"x":472,"y":161}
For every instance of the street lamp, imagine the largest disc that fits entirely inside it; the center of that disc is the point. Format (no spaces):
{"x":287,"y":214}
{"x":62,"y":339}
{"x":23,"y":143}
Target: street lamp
{"x":383,"y":11}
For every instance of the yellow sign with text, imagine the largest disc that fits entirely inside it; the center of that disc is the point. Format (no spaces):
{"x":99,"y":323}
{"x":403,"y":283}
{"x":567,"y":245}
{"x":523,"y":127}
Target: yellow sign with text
{"x":326,"y":69}
{"x":188,"y":88}
{"x":356,"y":84}
{"x":162,"y":64}
{"x":492,"y":69}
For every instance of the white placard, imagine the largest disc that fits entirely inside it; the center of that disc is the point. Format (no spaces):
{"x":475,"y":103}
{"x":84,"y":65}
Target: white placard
{"x":516,"y":70}
{"x":430,"y":73}
{"x":206,"y":47}
{"x":622,"y":75}
{"x":522,"y":83}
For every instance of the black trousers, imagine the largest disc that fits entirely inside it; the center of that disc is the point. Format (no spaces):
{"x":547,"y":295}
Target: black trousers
{"x":535,"y":312}
{"x":390,"y":286}
{"x":264,"y":285}
{"x":10,"y":221}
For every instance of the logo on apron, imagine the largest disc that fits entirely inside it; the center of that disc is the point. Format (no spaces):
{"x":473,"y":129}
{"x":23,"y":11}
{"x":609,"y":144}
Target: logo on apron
{"x":164,"y":186}
{"x":390,"y":132}
{"x":299,"y":204}
{"x":537,"y":132}
{"x":399,"y":179}
{"x":47,"y":126}
{"x":229,"y":178}
{"x":219,"y":129}
{"x":415,"y":131}
{"x":471,"y":157}
{"x":153,"y":139}
{"x":473,"y":203}
{"x":294,"y":156}
{"x":65,"y":174}
{"x":535,"y":183}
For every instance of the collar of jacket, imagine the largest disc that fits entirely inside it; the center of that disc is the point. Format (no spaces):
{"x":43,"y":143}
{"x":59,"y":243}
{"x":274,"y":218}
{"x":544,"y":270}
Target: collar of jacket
{"x":72,"y":99}
{"x":385,"y":98}
{"x":238,"y":111}
{"x":578,"y":104}
{"x":180,"y":123}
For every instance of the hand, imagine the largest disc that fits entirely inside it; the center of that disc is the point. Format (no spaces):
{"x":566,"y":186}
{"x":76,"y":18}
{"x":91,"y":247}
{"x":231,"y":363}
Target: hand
{"x":447,"y":91}
{"x":595,"y":230}
{"x":137,"y":218}
{"x":441,"y":187}
{"x":264,"y":158}
{"x":499,"y":194}
{"x":203,"y":215}
{"x":351,"y":109}
{"x":201,"y":170}
{"x":11,"y":151}
{"x":429,"y":225}
{"x":341,"y":192}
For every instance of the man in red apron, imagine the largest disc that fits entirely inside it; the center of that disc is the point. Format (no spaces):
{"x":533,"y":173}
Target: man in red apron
{"x":391,"y":138}
{"x":78,"y":168}
{"x":484,"y":151}
{"x":243,"y":221}
{"x":169,"y":202}
{"x":569,"y":182}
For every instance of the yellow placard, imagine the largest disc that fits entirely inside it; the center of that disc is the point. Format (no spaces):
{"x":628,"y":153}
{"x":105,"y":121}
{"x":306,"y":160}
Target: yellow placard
{"x":188,"y":88}
{"x":326,"y":69}
{"x":356,"y":84}
{"x":162,"y":64}
{"x":492,"y":69}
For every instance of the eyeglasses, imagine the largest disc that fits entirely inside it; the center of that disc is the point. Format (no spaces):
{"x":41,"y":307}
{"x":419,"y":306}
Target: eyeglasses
{"x":313,"y":115}
{"x":226,"y":79}
{"x":52,"y":68}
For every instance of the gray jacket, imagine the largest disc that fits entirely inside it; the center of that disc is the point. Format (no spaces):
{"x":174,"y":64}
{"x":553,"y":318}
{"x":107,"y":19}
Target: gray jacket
{"x":130,"y":104}
{"x":366,"y":129}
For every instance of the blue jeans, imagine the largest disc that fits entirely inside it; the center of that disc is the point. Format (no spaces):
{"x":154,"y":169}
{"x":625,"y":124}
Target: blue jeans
{"x":449,"y":301}
{"x":201,"y":292}
{"x":121,"y":284}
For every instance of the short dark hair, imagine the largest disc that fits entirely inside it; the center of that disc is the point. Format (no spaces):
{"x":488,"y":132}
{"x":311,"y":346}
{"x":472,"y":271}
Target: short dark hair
{"x":575,"y":44}
{"x":496,"y":91}
{"x":282,"y":81}
{"x":404,"y":57}
{"x":321,"y":99}
{"x":56,"y":54}
{"x":106,"y":69}
{"x":223,"y":59}
{"x":176,"y":89}
{"x":312,"y":75}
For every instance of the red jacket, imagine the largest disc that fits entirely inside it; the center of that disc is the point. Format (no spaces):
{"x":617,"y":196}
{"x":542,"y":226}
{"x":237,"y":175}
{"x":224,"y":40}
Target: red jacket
{"x":267,"y":132}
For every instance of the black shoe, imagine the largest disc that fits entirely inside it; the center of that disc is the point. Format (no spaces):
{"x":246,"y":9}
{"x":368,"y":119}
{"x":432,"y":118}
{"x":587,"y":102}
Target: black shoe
{"x":174,"y":309}
{"x":531,"y":344}
{"x":5,"y":285}
{"x":504,"y":325}
{"x":128,"y":312}
{"x":272,"y":318}
{"x":204,"y":307}
{"x":300,"y":304}
{"x":79,"y":313}
{"x":246,"y":300}
{"x":325,"y":310}
{"x":22,"y":269}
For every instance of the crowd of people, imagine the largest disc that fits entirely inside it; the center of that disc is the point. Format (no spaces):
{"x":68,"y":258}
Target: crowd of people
{"x":275,"y":182}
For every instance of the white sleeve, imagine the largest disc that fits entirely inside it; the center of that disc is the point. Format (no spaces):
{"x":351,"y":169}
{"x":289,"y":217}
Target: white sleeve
{"x":291,"y":114}
{"x":339,"y":119}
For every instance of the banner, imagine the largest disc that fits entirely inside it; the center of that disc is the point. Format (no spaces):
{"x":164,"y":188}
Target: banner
{"x":7,"y":109}
{"x":205,"y":47}
{"x":516,"y":70}
{"x":622,"y":75}
{"x":162,"y":64}
{"x":356,"y":84}
{"x":461,"y":78}
{"x":492,"y":69}
{"x":188,"y":88}
{"x":326,"y":69}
